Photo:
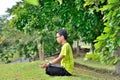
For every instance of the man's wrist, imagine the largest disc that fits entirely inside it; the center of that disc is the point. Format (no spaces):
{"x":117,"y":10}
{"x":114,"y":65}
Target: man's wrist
{"x":49,"y":63}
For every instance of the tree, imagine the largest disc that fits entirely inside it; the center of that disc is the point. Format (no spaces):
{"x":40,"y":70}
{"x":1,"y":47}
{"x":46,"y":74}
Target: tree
{"x":89,"y":25}
{"x":45,"y":19}
{"x":31,"y":20}
{"x":109,"y":40}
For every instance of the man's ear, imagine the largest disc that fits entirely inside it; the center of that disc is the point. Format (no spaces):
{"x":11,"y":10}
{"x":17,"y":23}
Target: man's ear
{"x":62,"y":37}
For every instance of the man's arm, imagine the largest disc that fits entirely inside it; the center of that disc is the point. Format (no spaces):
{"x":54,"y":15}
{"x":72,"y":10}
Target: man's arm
{"x":58,"y":59}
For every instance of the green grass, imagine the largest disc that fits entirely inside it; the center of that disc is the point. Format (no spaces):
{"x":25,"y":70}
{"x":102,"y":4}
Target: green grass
{"x":96,"y":65}
{"x":93,"y":68}
{"x":31,"y":71}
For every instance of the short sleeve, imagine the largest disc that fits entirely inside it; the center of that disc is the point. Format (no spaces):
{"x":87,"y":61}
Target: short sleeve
{"x":64,"y":50}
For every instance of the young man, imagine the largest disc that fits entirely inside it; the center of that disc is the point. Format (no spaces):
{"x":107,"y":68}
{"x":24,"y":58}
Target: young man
{"x":65,"y":58}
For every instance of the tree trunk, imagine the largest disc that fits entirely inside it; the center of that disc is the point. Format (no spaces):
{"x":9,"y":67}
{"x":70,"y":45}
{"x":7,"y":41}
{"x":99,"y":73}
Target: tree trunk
{"x":41,"y":51}
{"x":117,"y":67}
{"x":92,"y":47}
{"x":78,"y":50}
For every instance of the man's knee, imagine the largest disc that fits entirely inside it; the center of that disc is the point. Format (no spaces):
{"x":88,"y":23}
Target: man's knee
{"x":53,"y":70}
{"x":56,"y":71}
{"x":48,"y":71}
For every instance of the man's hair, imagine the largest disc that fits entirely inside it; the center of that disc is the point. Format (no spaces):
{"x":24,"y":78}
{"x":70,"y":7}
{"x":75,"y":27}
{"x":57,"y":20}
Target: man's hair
{"x":63,"y":32}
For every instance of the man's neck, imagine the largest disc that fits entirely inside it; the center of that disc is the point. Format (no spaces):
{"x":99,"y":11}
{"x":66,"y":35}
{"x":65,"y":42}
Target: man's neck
{"x":64,"y":42}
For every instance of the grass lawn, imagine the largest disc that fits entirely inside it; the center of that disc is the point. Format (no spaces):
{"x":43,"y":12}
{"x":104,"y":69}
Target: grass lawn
{"x":95,"y":65}
{"x":93,"y":68}
{"x":31,"y":71}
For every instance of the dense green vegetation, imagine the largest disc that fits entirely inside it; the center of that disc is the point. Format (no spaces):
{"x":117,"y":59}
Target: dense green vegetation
{"x":43,"y":21}
{"x":109,"y":40}
{"x":33,"y":26}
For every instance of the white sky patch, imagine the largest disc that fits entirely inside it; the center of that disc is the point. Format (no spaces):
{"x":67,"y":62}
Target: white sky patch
{"x":4,"y":4}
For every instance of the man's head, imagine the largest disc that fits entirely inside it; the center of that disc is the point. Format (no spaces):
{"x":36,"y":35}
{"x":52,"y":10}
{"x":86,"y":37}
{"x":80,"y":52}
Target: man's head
{"x":61,"y":35}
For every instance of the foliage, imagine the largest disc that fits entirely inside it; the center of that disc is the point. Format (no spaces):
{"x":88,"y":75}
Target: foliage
{"x":89,"y":25}
{"x":109,"y":40}
{"x":5,"y":52}
{"x":76,"y":17}
{"x":28,"y":18}
{"x":40,"y":24}
{"x":34,"y":2}
{"x":8,"y":43}
{"x":3,"y":20}
{"x":93,"y":56}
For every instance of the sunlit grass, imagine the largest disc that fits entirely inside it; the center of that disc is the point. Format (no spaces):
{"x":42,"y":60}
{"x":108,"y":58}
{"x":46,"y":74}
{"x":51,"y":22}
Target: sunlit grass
{"x":22,"y":71}
{"x":96,"y":65}
{"x":31,"y":71}
{"x":96,"y":69}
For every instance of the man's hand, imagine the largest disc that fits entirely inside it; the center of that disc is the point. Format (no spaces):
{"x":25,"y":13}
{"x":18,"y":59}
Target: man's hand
{"x":44,"y":65}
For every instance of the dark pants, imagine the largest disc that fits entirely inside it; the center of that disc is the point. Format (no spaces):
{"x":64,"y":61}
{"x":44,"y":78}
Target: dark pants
{"x":54,"y":70}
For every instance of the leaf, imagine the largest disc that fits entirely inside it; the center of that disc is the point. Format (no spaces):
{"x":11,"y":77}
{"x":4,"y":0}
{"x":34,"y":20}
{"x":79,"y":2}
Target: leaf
{"x":118,"y":41}
{"x":101,"y":37}
{"x":107,"y":29}
{"x":102,"y":1}
{"x":106,"y":7}
{"x":112,"y":1}
{"x":33,"y":2}
{"x":98,"y":45}
{"x":2,"y":39}
{"x":60,"y":1}
{"x":88,"y":2}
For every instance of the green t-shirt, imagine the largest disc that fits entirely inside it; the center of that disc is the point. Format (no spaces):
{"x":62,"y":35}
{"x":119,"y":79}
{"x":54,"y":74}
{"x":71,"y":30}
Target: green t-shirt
{"x":67,"y":62}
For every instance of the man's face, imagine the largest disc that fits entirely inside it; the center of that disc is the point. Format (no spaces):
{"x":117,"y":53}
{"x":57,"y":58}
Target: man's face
{"x":59,"y":38}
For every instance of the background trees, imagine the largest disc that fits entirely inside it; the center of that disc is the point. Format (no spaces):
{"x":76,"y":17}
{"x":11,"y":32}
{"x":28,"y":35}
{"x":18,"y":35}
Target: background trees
{"x":7,"y":40}
{"x":109,"y":40}
{"x":46,"y":18}
{"x":39,"y":22}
